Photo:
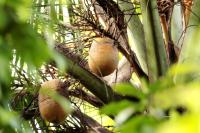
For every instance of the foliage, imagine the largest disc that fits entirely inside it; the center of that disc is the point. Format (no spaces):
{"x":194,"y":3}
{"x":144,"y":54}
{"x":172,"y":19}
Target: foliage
{"x":17,"y":40}
{"x":44,"y":40}
{"x":169,"y":105}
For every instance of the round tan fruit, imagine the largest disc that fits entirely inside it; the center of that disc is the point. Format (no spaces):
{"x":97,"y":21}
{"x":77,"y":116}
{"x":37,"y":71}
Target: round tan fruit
{"x":103,"y":56}
{"x":49,"y":109}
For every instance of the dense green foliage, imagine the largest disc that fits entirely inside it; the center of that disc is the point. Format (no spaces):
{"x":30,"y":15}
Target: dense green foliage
{"x":166,"y":102}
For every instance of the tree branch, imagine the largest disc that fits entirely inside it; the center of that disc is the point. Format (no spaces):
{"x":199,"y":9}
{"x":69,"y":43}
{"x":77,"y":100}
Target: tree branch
{"x":98,"y":87}
{"x":110,"y":13}
{"x":93,"y":83}
{"x":85,"y":96}
{"x":94,"y":125}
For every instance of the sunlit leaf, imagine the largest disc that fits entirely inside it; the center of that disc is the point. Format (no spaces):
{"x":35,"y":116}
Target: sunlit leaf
{"x":129,"y":90}
{"x":186,"y":96}
{"x":115,"y":107}
{"x":183,"y":124}
{"x":139,"y":124}
{"x":60,"y":61}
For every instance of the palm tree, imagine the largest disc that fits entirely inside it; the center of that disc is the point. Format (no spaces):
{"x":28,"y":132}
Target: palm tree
{"x":52,"y":41}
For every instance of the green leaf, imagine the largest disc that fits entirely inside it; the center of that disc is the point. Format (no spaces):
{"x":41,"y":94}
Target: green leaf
{"x":60,"y":61}
{"x":115,"y":107}
{"x":183,"y":69}
{"x":8,"y":118}
{"x":135,"y":31}
{"x":181,"y":95}
{"x":5,"y":57}
{"x":188,"y":123}
{"x":184,"y":73}
{"x":139,"y":124}
{"x":177,"y":25}
{"x":129,"y":90}
{"x":3,"y":19}
{"x":156,"y":54}
{"x":29,"y":46}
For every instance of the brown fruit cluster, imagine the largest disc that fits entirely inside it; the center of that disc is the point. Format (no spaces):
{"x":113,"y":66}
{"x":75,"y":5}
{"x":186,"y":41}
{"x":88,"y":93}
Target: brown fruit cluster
{"x":49,"y":109}
{"x":103,"y":56}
